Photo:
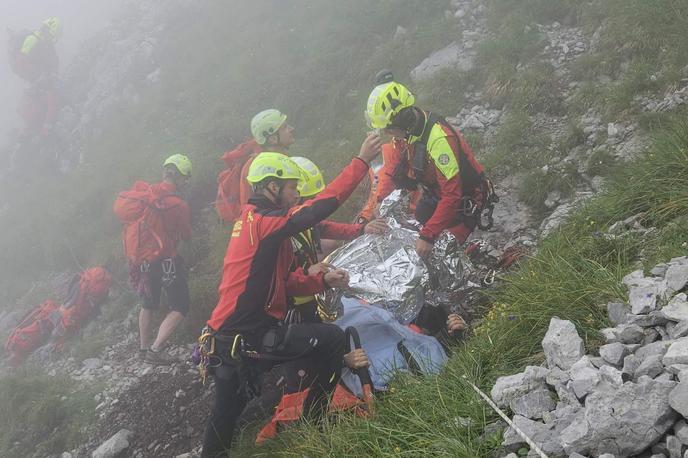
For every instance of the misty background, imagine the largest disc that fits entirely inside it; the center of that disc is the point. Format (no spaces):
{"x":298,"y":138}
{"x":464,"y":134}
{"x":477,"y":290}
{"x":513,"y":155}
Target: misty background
{"x":80,"y":19}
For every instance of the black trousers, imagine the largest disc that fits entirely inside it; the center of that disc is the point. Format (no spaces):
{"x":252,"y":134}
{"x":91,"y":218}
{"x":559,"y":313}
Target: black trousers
{"x":230,"y":398}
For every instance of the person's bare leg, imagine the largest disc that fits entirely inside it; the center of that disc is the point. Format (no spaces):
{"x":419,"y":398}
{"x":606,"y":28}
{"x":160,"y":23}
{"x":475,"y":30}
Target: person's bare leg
{"x":167,"y":327}
{"x":145,"y":317}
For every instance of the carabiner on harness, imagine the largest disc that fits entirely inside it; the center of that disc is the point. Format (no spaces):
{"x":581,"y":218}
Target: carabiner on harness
{"x":491,"y":198}
{"x":169,"y":272}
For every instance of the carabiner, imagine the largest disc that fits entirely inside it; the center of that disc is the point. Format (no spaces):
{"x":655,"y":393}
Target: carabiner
{"x":489,"y":278}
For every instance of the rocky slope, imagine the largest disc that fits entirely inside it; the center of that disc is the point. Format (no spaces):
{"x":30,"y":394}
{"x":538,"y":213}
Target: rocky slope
{"x":122,"y":65}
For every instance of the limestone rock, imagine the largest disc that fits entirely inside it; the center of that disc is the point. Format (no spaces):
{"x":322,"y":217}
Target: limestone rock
{"x":677,"y":308}
{"x":112,"y":447}
{"x":584,"y":377}
{"x":452,"y":56}
{"x":533,"y":405}
{"x":655,"y":348}
{"x":643,"y":294}
{"x":624,"y":333}
{"x":562,"y":344}
{"x":677,"y":352}
{"x":678,"y":398}
{"x":676,"y":276}
{"x":617,"y":312}
{"x":652,"y":366}
{"x":624,"y":422}
{"x":510,"y":387}
{"x":681,"y":431}
{"x":614,"y":353}
{"x":544,"y":435}
{"x":679,"y":330}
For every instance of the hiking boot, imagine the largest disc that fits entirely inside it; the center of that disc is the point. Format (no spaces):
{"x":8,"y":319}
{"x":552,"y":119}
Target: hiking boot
{"x":160,"y":358}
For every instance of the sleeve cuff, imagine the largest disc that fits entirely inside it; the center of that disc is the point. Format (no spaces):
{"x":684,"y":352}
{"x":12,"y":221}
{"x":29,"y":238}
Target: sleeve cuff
{"x":427,"y":239}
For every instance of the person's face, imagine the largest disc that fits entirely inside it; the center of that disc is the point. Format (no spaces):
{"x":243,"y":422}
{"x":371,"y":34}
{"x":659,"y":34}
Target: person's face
{"x":182,"y":181}
{"x":394,"y":132}
{"x":284,"y":136}
{"x":289,"y":195}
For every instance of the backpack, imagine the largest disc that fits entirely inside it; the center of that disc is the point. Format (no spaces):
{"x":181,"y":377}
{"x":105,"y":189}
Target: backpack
{"x":85,"y":292}
{"x":228,"y":202}
{"x":32,"y":332}
{"x":141,"y":213}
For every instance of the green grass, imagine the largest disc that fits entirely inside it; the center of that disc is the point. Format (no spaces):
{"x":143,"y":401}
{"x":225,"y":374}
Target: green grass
{"x":44,"y":415}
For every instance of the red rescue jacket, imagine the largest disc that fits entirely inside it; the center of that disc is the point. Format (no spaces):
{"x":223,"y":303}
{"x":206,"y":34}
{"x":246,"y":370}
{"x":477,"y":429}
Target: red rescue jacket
{"x":256,"y":278}
{"x":448,"y":191}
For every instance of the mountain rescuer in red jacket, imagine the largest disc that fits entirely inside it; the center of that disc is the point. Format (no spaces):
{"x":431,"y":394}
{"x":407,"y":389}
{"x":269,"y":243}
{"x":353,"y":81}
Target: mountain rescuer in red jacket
{"x":272,"y":132}
{"x":245,"y":335}
{"x":433,"y":158}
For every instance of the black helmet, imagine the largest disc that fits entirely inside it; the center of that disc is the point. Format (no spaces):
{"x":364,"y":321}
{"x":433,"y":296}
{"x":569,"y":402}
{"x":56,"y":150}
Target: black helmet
{"x":383,"y":76}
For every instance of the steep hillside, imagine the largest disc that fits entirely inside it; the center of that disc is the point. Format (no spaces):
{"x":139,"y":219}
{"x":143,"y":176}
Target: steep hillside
{"x":563,"y":100}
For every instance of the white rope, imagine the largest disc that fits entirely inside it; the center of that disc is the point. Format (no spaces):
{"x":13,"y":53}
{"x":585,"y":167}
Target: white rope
{"x":528,"y":440}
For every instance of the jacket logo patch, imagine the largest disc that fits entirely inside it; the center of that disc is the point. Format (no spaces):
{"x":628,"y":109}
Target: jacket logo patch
{"x":443,"y":159}
{"x":236,"y":230}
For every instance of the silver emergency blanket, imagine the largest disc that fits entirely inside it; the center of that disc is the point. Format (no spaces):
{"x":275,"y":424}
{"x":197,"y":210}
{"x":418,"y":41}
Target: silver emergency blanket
{"x":387,"y":271}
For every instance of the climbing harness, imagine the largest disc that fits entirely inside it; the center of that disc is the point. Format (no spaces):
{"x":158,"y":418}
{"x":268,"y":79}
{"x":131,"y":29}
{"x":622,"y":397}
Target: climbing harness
{"x":169,"y":272}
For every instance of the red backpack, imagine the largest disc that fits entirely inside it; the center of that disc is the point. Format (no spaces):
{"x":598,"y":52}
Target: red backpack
{"x":228,"y":203}
{"x":32,"y":332}
{"x":141,"y":213}
{"x":85,"y":293}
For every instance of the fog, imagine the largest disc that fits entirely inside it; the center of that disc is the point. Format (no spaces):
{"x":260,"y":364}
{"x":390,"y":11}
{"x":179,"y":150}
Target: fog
{"x":80,"y":19}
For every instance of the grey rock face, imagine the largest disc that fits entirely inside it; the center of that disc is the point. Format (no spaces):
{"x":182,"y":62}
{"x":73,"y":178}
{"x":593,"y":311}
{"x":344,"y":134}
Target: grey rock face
{"x":679,"y":330}
{"x":631,"y":364}
{"x":681,"y":431}
{"x":617,"y":312}
{"x":678,"y":399}
{"x":643,"y":294}
{"x":623,"y":422}
{"x":614,"y":353}
{"x":533,"y":405}
{"x":584,"y":377}
{"x":677,"y":352}
{"x":652,"y":366}
{"x":674,"y":446}
{"x":452,"y":56}
{"x":543,"y":435}
{"x":655,"y":348}
{"x":677,"y":308}
{"x":562,"y":344}
{"x":677,"y":276}
{"x":513,"y":386}
{"x":112,"y":447}
{"x":654,"y":318}
{"x":624,"y":333}
{"x":611,"y":375}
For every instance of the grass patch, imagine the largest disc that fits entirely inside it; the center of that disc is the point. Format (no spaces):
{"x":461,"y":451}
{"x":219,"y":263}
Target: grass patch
{"x":46,"y":415}
{"x":539,"y":183}
{"x":516,"y":146}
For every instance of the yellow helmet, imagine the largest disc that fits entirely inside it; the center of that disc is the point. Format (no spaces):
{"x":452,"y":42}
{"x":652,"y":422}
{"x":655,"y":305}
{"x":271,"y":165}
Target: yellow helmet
{"x":385,"y":102}
{"x":266,"y":123}
{"x":275,"y":165}
{"x":54,"y":26}
{"x":312,"y":182}
{"x":181,"y":162}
